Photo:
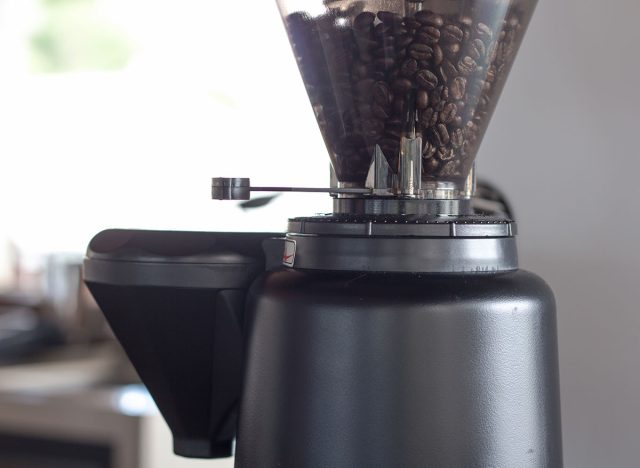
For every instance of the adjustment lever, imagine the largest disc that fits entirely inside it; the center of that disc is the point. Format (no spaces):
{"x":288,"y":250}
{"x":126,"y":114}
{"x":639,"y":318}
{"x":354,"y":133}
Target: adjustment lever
{"x":239,"y":188}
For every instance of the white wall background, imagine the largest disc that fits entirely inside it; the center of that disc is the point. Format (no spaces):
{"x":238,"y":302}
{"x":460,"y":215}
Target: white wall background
{"x":564,"y":146}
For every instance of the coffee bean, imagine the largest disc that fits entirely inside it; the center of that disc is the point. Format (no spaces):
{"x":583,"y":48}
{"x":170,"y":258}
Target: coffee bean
{"x":439,"y":135}
{"x":420,"y":51}
{"x":429,"y":18}
{"x":438,"y":55}
{"x":429,"y":151}
{"x":484,"y":32}
{"x":380,"y":30}
{"x":448,"y":71}
{"x":466,"y":20}
{"x":445,"y":154}
{"x":451,"y":34}
{"x":451,"y":50}
{"x":458,"y":87}
{"x":403,"y":40}
{"x":457,"y":138}
{"x":411,"y":24}
{"x":364,"y":20}
{"x":440,"y":95}
{"x":422,"y":99}
{"x":431,"y":166}
{"x":409,"y":68}
{"x":402,"y":85}
{"x":426,"y":80}
{"x":428,"y":118}
{"x":429,"y":35}
{"x":381,"y":93}
{"x":448,"y":113}
{"x":477,"y":49}
{"x":467,"y":66}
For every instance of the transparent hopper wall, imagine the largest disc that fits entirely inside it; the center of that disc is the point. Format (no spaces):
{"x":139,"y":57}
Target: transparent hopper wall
{"x":378,"y":69}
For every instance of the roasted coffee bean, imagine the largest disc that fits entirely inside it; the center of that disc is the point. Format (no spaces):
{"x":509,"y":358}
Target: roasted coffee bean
{"x":429,"y":151}
{"x":448,"y":113}
{"x":451,"y":33}
{"x":429,"y":35}
{"x":441,"y":94}
{"x":426,"y":80}
{"x":438,"y":55}
{"x":491,"y":74}
{"x":513,"y":21}
{"x":430,"y":165}
{"x":411,"y":24}
{"x":422,"y":99}
{"x":420,"y":51}
{"x":364,"y":20}
{"x":457,"y":87}
{"x":457,"y":138}
{"x":382,"y":93}
{"x":389,"y":18}
{"x":429,"y":18}
{"x":466,"y":20}
{"x":477,"y":49}
{"x":439,"y":135}
{"x":467,"y":66}
{"x":403,"y":40}
{"x":402,"y":85}
{"x":409,"y":68}
{"x":458,"y":122}
{"x":484,"y":32}
{"x":428,"y":118}
{"x":448,"y":71}
{"x":451,"y":50}
{"x":445,"y":154}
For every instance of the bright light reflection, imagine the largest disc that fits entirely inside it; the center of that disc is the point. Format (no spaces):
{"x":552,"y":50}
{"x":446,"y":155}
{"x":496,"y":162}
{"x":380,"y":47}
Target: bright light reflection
{"x":134,"y":400}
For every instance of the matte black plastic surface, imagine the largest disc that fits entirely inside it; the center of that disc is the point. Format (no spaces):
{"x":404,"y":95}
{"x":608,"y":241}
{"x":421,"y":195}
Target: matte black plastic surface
{"x":359,"y":370}
{"x":176,"y":300}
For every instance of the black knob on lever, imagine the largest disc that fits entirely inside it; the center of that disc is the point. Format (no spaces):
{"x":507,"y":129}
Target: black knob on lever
{"x":231,"y":188}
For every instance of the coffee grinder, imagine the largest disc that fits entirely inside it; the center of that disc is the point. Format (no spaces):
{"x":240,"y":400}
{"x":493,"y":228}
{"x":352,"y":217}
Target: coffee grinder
{"x":397,"y":331}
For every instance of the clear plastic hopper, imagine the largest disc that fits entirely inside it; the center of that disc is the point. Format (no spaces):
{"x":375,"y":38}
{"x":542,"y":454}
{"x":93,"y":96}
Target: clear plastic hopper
{"x":413,"y":81}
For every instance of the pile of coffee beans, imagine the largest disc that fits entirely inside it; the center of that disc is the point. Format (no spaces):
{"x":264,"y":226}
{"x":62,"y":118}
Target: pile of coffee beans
{"x":372,"y":76}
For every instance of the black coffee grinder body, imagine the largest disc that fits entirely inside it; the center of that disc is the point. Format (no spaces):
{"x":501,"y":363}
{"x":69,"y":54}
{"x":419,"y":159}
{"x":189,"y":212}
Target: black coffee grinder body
{"x":448,"y":364}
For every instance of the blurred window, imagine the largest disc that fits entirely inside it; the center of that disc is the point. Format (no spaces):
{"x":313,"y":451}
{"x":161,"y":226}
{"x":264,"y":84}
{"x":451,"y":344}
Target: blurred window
{"x":116,"y":113}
